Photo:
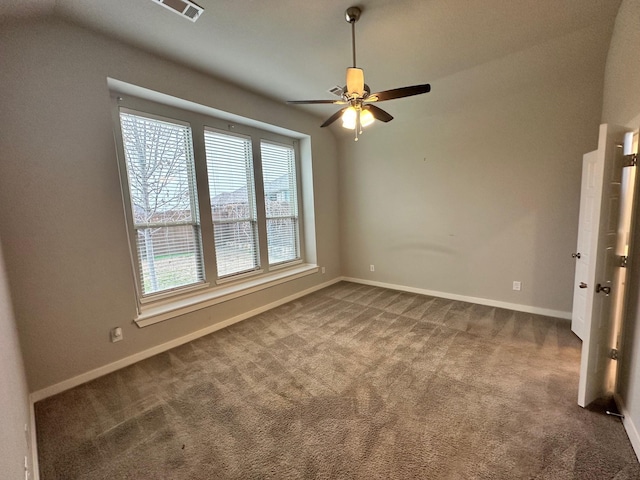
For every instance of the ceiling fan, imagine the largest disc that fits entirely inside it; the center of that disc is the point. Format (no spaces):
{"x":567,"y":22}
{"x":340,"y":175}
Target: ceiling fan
{"x":356,"y":95}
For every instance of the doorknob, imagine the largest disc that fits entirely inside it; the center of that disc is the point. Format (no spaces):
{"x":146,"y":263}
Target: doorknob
{"x":576,"y":255}
{"x":600,"y":288}
{"x":582,"y":285}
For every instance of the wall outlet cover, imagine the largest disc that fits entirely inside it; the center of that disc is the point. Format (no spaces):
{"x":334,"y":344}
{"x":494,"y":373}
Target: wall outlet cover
{"x":116,"y":334}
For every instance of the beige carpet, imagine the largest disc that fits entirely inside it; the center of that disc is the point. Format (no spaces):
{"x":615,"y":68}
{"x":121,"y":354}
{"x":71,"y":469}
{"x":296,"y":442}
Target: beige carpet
{"x":349,"y":382}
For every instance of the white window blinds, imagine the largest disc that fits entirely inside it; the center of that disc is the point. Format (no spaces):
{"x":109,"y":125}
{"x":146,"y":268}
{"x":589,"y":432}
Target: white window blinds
{"x":281,"y":202}
{"x":160,"y":171}
{"x":233,"y":204}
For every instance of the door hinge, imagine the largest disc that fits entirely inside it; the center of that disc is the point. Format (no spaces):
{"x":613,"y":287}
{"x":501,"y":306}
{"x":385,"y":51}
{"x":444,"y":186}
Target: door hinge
{"x":623,"y":261}
{"x":613,"y":354}
{"x":630,"y":160}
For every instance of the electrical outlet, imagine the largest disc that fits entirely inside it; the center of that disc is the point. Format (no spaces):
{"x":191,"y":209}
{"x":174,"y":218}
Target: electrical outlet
{"x":372,"y":268}
{"x":323,"y":270}
{"x":116,"y":334}
{"x":517,"y":286}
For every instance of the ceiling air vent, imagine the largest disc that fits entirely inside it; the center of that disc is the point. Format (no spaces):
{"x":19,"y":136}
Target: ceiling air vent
{"x":338,"y":91}
{"x":184,"y":8}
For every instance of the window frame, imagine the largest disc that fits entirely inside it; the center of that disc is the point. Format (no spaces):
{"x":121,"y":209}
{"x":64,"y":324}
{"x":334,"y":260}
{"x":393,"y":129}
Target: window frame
{"x":298,"y":239}
{"x":132,"y":224}
{"x":258,"y":268}
{"x":213,"y":289}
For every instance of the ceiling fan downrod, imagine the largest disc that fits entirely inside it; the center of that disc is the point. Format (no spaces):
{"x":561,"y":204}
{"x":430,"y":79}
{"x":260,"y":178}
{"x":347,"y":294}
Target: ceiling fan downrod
{"x":352,"y":15}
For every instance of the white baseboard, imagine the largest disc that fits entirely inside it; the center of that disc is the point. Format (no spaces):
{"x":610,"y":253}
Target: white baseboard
{"x":629,"y":426}
{"x":125,"y":362}
{"x":463,"y":298}
{"x":33,"y":444}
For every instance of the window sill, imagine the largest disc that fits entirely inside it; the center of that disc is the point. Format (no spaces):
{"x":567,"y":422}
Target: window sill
{"x":168,"y":295}
{"x":150,"y":314}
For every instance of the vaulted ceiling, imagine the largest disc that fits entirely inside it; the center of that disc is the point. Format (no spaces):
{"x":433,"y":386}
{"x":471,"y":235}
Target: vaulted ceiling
{"x":292,"y":49}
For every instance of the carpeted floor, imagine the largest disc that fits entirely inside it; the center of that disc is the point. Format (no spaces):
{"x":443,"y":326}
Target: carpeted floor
{"x":349,"y":382}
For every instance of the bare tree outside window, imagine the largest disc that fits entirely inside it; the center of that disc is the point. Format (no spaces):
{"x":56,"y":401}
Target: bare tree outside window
{"x":161,"y":190}
{"x":160,"y":169}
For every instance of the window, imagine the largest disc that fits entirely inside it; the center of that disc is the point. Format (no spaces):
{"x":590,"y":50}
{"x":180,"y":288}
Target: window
{"x":233,"y":202}
{"x":212,"y":207}
{"x":281,"y":202}
{"x":162,"y":190}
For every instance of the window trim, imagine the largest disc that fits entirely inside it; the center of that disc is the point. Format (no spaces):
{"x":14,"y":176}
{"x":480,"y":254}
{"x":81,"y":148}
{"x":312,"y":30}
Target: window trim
{"x":129,"y":214}
{"x":258,"y":268}
{"x":299,"y":236}
{"x":161,"y":311}
{"x":151,"y":309}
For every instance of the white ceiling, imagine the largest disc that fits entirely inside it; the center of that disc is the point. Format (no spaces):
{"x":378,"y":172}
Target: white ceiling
{"x":294,"y":49}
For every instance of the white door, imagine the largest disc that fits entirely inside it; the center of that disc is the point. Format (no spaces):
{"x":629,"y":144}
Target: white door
{"x":590,"y":196}
{"x":598,"y":329}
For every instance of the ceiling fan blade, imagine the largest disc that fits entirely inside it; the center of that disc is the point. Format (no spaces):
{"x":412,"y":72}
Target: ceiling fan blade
{"x":313,"y":102}
{"x":378,"y":113}
{"x":355,"y":81}
{"x":333,"y":117}
{"x":399,"y":93}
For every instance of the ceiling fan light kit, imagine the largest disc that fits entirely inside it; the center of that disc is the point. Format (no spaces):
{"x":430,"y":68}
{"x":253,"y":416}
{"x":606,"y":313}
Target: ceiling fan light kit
{"x":350,"y":118}
{"x":356,"y":94}
{"x":355,"y":81}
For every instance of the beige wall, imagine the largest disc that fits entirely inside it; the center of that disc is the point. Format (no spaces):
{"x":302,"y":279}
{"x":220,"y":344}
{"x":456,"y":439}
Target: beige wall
{"x":14,"y":401}
{"x":473,"y":187}
{"x":477,"y":184}
{"x":61,"y":214}
{"x":622,"y":107}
